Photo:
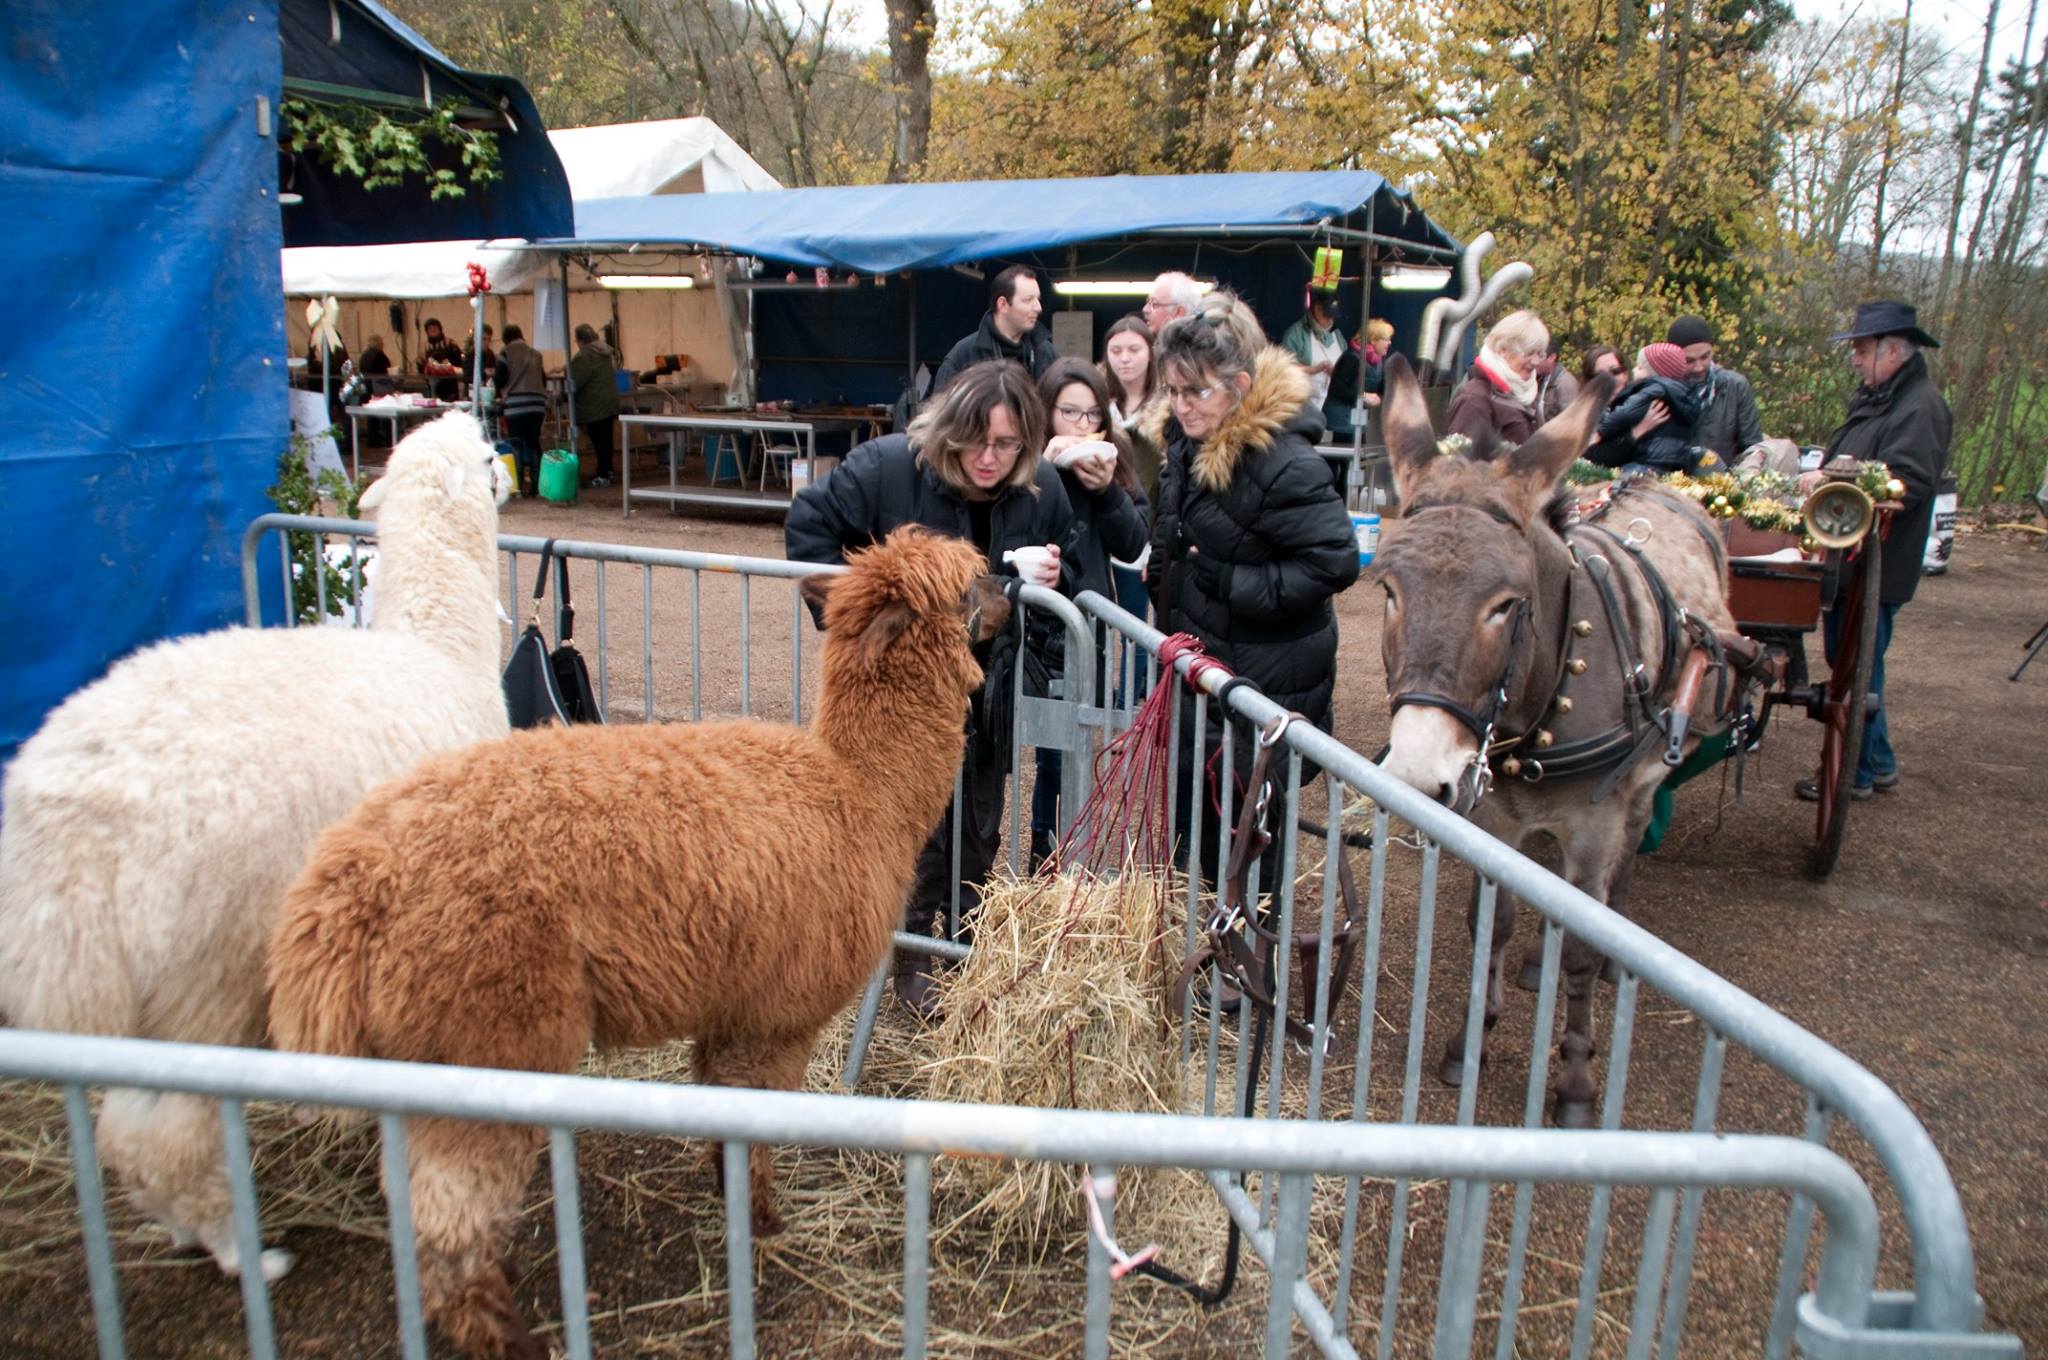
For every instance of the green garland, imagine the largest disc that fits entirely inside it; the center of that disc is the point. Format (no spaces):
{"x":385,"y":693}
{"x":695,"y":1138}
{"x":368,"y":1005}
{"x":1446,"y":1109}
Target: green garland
{"x":382,"y":151}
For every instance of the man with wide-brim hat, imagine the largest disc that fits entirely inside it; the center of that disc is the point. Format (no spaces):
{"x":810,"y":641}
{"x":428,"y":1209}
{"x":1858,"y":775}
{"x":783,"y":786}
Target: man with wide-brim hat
{"x":1897,"y":417}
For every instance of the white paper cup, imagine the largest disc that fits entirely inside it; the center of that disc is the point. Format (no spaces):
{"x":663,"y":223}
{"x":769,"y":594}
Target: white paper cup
{"x":1035,"y":565}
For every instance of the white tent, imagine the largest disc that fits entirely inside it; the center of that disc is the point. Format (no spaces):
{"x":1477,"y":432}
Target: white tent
{"x":667,"y":156}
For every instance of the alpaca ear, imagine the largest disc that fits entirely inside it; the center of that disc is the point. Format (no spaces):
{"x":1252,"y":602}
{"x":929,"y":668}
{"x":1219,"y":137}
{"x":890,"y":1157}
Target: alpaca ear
{"x":451,"y":481}
{"x":816,"y":589}
{"x":988,"y":609}
{"x":889,"y":623}
{"x":1544,"y":456}
{"x":1411,"y":441}
{"x":374,"y":496}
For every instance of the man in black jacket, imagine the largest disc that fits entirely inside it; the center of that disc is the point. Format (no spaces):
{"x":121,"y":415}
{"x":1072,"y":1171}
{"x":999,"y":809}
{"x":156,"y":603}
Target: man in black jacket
{"x":1008,"y":330}
{"x":1897,"y":416}
{"x":1728,"y":420}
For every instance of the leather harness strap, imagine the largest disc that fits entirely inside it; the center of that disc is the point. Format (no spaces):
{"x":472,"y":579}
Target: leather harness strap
{"x":1228,"y":940}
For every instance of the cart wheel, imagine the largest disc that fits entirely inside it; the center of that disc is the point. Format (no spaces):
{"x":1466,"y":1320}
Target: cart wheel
{"x":1841,"y":714}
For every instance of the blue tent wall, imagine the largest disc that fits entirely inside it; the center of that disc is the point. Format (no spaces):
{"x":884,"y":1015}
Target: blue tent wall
{"x":142,"y":392}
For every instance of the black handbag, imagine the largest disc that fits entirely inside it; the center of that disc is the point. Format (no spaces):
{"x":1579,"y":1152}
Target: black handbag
{"x":543,"y":686}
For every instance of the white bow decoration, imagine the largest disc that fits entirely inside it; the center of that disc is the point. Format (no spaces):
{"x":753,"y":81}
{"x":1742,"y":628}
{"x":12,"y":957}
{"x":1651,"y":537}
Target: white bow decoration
{"x":320,"y":319}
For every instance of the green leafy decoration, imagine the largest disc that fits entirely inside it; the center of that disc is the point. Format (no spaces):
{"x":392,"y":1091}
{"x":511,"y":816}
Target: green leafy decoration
{"x":299,"y":492}
{"x":383,"y":151}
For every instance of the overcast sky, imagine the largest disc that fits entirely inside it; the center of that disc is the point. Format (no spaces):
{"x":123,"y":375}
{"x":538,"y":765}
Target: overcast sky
{"x":1959,"y":22}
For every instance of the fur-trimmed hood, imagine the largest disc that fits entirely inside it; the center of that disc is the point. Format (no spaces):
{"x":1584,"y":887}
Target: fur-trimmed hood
{"x":1277,"y":398}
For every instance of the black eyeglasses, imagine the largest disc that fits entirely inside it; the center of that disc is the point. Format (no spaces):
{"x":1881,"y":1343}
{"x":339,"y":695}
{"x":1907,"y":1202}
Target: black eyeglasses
{"x":1091,"y":414}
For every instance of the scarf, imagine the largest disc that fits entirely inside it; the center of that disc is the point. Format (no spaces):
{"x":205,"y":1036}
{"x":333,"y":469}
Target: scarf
{"x":1506,"y":379}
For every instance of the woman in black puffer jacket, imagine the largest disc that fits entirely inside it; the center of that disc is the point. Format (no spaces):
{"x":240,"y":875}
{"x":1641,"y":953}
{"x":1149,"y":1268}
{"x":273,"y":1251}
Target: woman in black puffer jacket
{"x":1250,"y":538}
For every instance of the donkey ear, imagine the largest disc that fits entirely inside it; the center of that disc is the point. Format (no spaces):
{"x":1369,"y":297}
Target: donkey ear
{"x":1544,"y":456}
{"x":1411,"y":442}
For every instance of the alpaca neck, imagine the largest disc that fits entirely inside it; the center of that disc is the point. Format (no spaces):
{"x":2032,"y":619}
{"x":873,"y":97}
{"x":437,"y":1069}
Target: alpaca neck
{"x":440,"y":588}
{"x":903,"y":730}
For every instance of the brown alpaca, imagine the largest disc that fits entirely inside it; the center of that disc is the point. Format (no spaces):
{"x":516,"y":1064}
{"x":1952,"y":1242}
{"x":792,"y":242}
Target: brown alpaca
{"x":736,"y":883}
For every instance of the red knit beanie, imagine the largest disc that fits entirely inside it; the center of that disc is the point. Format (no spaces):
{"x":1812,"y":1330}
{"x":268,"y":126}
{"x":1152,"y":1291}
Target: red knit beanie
{"x":1666,"y":360}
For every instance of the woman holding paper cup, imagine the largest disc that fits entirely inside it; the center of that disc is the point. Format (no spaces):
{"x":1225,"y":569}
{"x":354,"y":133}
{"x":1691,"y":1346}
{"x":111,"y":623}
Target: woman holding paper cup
{"x":1093,"y":459}
{"x":971,"y":465}
{"x":1250,"y":538}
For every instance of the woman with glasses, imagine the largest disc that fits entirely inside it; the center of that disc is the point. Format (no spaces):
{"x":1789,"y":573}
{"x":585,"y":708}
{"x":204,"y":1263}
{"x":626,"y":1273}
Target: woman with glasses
{"x":1093,"y":459}
{"x":970,"y":465}
{"x":1250,"y":537}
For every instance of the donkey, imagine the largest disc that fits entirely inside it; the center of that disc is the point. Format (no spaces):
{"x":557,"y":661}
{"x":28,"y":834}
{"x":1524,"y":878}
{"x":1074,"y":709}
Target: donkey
{"x":1546,"y":662}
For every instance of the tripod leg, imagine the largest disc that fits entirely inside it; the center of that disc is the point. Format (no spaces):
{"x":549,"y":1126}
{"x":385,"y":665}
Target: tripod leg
{"x":2034,"y":646}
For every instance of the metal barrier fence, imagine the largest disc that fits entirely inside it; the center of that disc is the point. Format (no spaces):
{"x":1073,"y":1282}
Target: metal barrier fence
{"x":1480,"y":1282}
{"x":916,"y":1131}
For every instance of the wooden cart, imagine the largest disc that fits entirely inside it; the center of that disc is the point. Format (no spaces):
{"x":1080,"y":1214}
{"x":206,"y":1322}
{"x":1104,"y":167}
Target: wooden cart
{"x":1777,"y":603}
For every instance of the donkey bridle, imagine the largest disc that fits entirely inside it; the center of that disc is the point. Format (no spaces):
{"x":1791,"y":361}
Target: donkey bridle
{"x":1611,"y":752}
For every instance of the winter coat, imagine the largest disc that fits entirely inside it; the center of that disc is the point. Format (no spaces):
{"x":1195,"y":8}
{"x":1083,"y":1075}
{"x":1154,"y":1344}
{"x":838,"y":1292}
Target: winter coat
{"x":1906,"y":425}
{"x":1251,"y":539}
{"x":1481,"y":404}
{"x":1034,"y":351}
{"x":1728,"y":419}
{"x":1143,"y":435}
{"x":881,"y":486}
{"x":1671,"y":447}
{"x":593,"y":374}
{"x":1107,"y":523}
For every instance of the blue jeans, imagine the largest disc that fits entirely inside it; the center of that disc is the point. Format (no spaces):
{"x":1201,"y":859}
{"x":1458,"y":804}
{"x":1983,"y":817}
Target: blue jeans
{"x":1133,"y":600}
{"x":1876,"y":759}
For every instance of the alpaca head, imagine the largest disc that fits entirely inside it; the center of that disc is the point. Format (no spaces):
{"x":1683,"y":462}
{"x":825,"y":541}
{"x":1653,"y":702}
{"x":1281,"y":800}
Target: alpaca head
{"x":444,"y":460}
{"x":913,"y":606}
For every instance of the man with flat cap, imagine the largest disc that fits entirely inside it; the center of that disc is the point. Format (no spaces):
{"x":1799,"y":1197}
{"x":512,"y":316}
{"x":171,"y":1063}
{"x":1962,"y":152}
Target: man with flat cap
{"x":1728,"y":419}
{"x":1896,"y":416}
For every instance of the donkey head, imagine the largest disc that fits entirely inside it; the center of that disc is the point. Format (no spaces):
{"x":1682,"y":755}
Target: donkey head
{"x":1460,"y":571}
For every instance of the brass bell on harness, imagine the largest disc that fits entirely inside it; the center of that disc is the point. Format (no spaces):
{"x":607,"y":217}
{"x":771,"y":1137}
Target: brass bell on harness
{"x":1543,"y":740}
{"x":1564,"y":703}
{"x":1511,"y":767}
{"x":1584,"y":628}
{"x":1577,"y":665}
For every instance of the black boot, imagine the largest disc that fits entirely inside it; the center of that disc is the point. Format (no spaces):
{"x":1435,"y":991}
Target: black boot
{"x":1041,"y":849}
{"x":914,"y":986}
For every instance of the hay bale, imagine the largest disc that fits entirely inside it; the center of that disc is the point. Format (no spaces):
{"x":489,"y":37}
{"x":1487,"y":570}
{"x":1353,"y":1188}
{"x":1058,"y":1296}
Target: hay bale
{"x":1063,"y":1005}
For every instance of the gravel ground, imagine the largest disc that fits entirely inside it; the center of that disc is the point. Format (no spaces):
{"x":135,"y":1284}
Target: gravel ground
{"x":1915,"y":959}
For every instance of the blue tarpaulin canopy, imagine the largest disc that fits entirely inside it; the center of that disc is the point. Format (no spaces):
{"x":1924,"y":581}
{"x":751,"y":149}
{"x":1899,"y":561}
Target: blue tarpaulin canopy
{"x":883,"y":228}
{"x":1253,"y":233}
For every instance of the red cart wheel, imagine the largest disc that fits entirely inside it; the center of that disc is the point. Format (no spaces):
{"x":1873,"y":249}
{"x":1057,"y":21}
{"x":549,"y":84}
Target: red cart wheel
{"x":1842,"y":706}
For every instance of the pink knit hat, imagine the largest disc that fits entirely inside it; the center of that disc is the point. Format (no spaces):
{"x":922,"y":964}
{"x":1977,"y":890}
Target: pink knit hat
{"x":1666,"y":360}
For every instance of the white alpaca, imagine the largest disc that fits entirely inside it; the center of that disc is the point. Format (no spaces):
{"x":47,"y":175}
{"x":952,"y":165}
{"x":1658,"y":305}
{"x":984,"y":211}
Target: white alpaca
{"x":152,"y":825}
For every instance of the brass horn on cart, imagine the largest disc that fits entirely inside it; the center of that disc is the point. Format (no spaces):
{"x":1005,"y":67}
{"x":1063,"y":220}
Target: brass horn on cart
{"x":1838,"y":514}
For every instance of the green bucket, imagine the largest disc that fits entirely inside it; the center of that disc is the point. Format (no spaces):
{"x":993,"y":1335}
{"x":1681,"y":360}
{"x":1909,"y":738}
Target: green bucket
{"x":560,"y":476}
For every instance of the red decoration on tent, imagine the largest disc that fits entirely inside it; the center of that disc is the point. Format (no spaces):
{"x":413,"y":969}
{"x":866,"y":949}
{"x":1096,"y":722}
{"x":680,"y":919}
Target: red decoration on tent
{"x":479,"y":281}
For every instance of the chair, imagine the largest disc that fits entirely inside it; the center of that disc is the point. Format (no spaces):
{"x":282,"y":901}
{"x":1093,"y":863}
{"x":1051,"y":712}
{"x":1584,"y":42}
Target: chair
{"x":777,"y":456}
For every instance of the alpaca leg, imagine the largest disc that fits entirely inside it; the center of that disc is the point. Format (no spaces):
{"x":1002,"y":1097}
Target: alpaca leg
{"x":1452,"y":1071}
{"x":166,"y":1150}
{"x":467,"y":1182}
{"x":770,"y":1064}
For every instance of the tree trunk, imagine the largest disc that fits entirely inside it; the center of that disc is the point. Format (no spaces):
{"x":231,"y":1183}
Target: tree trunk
{"x":1967,"y":138}
{"x":911,"y":25}
{"x":1891,"y":141}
